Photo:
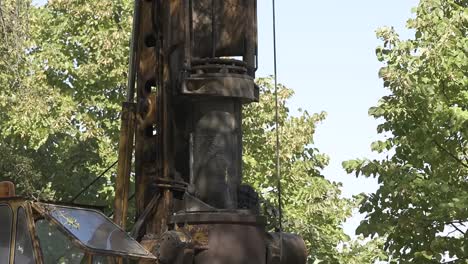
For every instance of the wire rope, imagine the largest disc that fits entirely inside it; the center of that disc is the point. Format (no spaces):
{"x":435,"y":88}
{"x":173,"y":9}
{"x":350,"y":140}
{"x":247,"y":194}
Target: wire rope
{"x":93,"y":182}
{"x":277,"y":130}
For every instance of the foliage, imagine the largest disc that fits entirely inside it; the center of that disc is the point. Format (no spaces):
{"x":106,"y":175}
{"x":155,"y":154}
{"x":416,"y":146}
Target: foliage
{"x":422,"y":203}
{"x":360,"y":251}
{"x":21,"y":170}
{"x":65,"y":117}
{"x":14,"y":30}
{"x":13,"y":36}
{"x":312,"y":205}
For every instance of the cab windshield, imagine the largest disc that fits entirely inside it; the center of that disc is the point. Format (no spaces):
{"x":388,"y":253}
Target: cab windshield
{"x":55,"y":246}
{"x":70,"y":235}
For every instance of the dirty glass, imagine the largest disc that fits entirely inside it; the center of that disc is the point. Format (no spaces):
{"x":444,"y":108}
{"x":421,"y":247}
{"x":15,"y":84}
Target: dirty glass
{"x":5,"y":233}
{"x":111,"y":260}
{"x":55,"y":246}
{"x":104,"y":260}
{"x":23,"y":248}
{"x":96,"y":231}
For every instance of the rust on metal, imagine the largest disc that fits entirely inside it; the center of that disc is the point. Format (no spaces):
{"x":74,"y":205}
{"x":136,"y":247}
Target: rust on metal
{"x":7,"y":189}
{"x":196,"y":69}
{"x":199,"y":233}
{"x":124,"y":164}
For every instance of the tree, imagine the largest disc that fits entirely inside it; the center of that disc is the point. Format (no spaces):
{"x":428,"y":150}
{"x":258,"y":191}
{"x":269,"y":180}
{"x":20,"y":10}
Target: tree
{"x":360,"y":251}
{"x":313,"y":207}
{"x":21,"y":170}
{"x":65,"y":117}
{"x":13,"y":37}
{"x":421,"y":206}
{"x":13,"y":69}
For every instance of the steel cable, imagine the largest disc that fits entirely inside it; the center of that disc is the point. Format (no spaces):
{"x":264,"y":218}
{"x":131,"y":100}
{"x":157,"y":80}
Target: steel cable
{"x":277,"y":130}
{"x":93,"y":182}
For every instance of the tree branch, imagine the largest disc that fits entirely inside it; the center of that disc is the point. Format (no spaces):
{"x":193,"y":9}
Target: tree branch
{"x":458,"y":229}
{"x":450,"y":154}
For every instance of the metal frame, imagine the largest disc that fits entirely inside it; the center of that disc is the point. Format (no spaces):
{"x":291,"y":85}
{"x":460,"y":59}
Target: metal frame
{"x":89,"y":250}
{"x":202,"y":58}
{"x":12,"y":235}
{"x":14,"y":203}
{"x":33,"y":211}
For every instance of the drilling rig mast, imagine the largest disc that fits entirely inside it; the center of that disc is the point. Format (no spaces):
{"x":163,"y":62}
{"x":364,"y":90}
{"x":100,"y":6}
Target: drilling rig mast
{"x":195,"y":63}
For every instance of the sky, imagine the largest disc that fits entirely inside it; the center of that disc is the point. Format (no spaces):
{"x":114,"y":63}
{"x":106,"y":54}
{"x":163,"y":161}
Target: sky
{"x":326,"y":54}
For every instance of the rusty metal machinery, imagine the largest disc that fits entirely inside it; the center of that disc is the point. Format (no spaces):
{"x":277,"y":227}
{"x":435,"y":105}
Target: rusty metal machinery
{"x":195,"y":68}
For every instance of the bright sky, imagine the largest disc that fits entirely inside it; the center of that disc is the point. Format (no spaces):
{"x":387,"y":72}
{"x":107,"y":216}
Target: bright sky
{"x":326,"y":53}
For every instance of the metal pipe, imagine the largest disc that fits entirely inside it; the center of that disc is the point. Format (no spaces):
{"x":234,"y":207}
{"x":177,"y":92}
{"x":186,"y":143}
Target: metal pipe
{"x":133,"y":51}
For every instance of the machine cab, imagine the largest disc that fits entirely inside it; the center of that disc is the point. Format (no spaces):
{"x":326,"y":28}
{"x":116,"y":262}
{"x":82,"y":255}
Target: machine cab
{"x":34,"y":232}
